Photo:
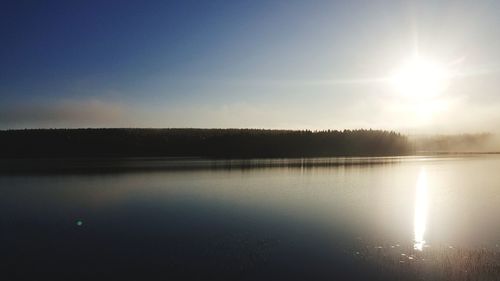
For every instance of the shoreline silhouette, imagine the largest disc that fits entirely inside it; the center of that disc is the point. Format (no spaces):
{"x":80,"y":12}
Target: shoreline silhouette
{"x":203,"y":143}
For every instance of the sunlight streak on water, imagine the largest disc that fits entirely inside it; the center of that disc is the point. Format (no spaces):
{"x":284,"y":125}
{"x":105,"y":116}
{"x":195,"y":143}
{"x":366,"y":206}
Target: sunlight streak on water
{"x":421,"y":203}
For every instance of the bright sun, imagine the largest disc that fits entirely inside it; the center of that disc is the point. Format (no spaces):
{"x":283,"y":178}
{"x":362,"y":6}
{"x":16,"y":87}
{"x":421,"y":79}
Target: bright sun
{"x":420,"y":78}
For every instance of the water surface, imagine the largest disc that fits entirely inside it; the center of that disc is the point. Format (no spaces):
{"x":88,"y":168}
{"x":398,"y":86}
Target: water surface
{"x":245,"y":220}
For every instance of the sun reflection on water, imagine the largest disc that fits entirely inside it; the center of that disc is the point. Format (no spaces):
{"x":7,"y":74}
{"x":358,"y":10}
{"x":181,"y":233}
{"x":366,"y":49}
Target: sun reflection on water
{"x":421,"y":202}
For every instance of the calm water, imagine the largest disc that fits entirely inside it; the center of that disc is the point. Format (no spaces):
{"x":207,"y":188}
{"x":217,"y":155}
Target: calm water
{"x":249,"y":220}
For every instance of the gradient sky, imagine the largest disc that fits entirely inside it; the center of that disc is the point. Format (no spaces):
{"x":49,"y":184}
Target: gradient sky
{"x":252,"y":64}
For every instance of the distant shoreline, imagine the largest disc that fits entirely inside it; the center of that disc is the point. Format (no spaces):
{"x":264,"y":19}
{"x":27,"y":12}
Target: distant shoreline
{"x":188,"y":143}
{"x":203,"y":143}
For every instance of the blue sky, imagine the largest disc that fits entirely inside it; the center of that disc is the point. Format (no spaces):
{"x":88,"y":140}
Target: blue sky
{"x":259,"y":64}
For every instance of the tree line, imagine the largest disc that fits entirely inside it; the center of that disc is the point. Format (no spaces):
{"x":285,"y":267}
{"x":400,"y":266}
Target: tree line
{"x":205,"y":143}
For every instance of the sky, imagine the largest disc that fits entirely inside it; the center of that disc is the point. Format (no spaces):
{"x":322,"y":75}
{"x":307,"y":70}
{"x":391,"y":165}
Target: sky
{"x":247,"y":64}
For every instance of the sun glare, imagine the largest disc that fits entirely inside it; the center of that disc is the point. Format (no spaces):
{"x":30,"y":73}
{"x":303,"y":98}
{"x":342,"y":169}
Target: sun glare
{"x":420,"y":78}
{"x":421,"y":203}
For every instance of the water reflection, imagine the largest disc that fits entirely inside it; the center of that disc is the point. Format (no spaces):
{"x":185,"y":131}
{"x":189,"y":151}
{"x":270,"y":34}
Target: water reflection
{"x":421,"y":203}
{"x":227,"y":223}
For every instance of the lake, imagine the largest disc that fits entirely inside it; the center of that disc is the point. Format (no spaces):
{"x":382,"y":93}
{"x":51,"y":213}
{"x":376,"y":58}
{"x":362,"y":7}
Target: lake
{"x":295,"y":219}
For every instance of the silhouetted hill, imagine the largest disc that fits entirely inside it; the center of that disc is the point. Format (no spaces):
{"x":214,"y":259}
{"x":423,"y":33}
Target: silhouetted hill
{"x":207,"y":143}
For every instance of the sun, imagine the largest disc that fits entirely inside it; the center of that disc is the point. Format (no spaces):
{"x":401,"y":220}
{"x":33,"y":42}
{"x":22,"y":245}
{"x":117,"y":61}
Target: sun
{"x":420,"y":78}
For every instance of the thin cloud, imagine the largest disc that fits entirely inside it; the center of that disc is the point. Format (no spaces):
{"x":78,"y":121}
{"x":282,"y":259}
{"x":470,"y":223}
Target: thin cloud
{"x":74,"y":113}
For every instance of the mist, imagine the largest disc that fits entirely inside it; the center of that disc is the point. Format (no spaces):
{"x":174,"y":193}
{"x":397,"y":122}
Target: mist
{"x":459,"y":143}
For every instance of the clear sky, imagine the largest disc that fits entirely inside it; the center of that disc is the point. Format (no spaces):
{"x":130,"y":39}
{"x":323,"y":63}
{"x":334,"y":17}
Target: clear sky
{"x":252,"y":64}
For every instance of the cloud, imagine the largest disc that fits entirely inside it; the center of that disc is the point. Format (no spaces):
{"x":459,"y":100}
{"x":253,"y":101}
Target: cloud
{"x":63,"y":114}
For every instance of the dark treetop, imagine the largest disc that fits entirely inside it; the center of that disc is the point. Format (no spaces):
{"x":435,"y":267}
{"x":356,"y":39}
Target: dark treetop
{"x":206,"y":143}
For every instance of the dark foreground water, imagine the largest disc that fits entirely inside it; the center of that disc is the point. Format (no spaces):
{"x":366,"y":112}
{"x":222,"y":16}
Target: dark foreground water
{"x":415,"y":218}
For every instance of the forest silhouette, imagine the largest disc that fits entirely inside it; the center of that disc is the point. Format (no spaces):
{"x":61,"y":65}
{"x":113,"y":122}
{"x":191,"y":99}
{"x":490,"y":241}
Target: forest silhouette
{"x":204,"y":143}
